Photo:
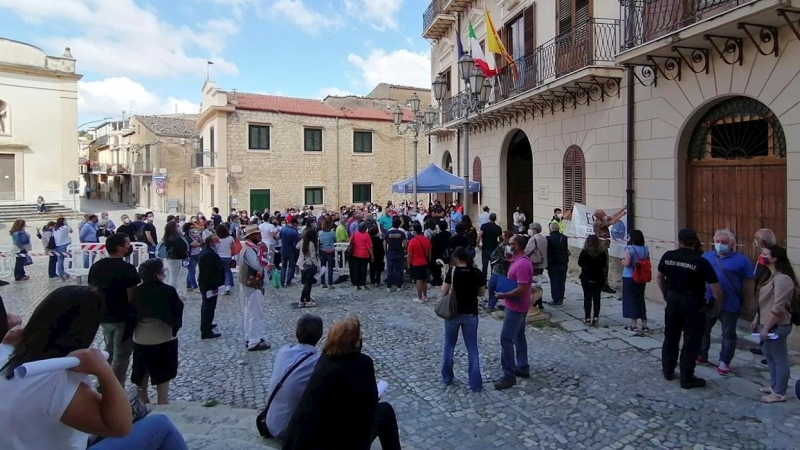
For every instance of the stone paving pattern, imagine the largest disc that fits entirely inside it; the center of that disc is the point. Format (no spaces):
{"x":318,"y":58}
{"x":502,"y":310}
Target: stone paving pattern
{"x":591,"y":388}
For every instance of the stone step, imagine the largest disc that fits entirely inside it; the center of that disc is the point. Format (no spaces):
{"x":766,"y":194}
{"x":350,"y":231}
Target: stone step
{"x":219,"y":427}
{"x":12,"y":212}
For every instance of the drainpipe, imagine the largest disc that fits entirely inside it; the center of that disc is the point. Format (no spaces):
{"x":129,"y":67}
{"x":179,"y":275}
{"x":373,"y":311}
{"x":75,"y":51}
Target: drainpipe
{"x":338,"y":202}
{"x":630,"y":193}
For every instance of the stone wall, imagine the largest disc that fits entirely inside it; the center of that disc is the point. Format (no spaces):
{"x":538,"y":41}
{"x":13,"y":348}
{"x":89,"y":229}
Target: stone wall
{"x":286,"y":169}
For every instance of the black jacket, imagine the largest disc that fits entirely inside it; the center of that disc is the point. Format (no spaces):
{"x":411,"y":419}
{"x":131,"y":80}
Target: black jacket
{"x":158,"y":300}
{"x":212,"y":273}
{"x":557,"y":251}
{"x":177,"y":247}
{"x":593,"y":268}
{"x":337,"y":409}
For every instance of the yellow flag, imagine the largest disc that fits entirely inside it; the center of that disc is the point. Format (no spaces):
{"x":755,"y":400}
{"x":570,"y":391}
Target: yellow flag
{"x":494,"y":45}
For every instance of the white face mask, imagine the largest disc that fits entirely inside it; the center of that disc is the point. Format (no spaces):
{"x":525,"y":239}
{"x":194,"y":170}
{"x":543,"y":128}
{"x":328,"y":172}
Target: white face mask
{"x":509,"y":250}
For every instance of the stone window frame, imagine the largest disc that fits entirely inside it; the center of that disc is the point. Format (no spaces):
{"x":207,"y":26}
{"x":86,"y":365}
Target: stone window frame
{"x":269,"y":141}
{"x":353,"y":192}
{"x":322,"y":195}
{"x":321,"y":140}
{"x":372,"y":141}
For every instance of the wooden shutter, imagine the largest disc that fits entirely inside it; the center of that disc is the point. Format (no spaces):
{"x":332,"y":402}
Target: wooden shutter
{"x":574,"y":177}
{"x":529,"y":23}
{"x":498,"y":60}
{"x":564,"y":16}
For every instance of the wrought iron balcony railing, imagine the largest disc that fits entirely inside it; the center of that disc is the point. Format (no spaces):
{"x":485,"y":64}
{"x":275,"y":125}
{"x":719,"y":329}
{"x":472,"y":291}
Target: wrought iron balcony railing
{"x":435,"y":8}
{"x":204,"y":159}
{"x":648,"y":20}
{"x":596,"y":41}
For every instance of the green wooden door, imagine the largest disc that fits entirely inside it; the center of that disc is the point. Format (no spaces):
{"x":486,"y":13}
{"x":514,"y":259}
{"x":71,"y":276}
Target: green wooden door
{"x":259,"y":199}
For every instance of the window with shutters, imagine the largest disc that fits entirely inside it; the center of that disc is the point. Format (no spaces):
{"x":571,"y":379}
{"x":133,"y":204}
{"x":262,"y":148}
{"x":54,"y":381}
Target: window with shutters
{"x":258,"y":137}
{"x":313,"y":196}
{"x":516,"y":37}
{"x":312,"y":139}
{"x":574,"y":177}
{"x":477,"y":175}
{"x":362,"y":192}
{"x":572,"y":13}
{"x":362,"y":141}
{"x":447,"y":75}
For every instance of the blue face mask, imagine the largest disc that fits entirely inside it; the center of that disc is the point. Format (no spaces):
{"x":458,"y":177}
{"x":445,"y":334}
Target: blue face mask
{"x":722,"y":248}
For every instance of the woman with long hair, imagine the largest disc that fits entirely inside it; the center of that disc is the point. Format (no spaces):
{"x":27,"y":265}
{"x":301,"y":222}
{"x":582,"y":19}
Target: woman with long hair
{"x":471,"y":234}
{"x":327,"y":251}
{"x":62,"y":240}
{"x":440,"y":253}
{"x":177,"y":252}
{"x":49,"y":248}
{"x":60,"y":409}
{"x":592,"y":261}
{"x":633,"y":305}
{"x":340,"y":406}
{"x":192,"y":238}
{"x":159,"y":316}
{"x":22,"y":245}
{"x":500,"y":262}
{"x":224,"y":249}
{"x":308,"y":261}
{"x":466,"y":281}
{"x":775,"y":297}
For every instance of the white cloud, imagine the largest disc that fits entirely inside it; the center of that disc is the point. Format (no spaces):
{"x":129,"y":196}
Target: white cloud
{"x":118,"y":37}
{"x":301,"y":15}
{"x":398,"y":67}
{"x":380,"y":14}
{"x":334,"y":91}
{"x":111,"y":96}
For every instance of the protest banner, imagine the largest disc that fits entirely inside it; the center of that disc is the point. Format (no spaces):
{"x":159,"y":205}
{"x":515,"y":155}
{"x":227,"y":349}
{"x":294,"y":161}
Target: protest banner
{"x":581,"y":226}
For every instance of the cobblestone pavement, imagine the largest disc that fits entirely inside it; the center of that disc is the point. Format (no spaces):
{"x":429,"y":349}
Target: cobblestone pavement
{"x":589,"y":389}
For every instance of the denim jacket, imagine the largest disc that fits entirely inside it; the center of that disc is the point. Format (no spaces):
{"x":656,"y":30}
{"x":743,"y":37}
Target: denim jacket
{"x":22,"y":240}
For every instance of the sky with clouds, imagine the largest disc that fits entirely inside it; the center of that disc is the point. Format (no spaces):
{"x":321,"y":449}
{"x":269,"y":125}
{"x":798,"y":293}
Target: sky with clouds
{"x":149,"y":56}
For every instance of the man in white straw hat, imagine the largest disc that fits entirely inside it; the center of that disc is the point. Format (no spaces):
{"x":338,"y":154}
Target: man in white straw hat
{"x":252,"y":261}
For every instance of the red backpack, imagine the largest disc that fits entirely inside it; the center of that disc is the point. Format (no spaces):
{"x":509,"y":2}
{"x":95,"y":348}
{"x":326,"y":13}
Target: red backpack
{"x":642,"y":269}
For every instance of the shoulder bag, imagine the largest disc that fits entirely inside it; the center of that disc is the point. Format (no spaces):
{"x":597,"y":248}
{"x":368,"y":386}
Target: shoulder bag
{"x":261,"y":419}
{"x":446,"y":307}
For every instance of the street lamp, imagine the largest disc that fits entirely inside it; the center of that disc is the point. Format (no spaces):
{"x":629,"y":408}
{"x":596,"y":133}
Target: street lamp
{"x":94,"y":121}
{"x":471,"y":101}
{"x":422,"y":121}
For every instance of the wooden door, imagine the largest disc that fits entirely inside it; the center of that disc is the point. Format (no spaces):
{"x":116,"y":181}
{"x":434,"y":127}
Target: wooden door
{"x":740,"y":195}
{"x":7,"y":181}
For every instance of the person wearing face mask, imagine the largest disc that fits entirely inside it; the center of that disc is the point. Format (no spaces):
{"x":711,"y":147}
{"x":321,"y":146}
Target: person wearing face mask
{"x":148,"y":234}
{"x":735,"y":274}
{"x":519,"y":220}
{"x":559,"y":217}
{"x":111,"y":227}
{"x":127,"y":227}
{"x":763,"y":238}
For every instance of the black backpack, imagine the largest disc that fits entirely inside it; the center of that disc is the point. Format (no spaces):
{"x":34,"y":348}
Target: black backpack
{"x":794,"y":306}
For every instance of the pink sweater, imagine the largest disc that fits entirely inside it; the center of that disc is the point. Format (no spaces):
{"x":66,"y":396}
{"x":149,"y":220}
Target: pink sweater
{"x":774,"y":297}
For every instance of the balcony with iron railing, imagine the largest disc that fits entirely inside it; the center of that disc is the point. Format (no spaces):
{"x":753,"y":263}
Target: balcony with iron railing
{"x":593,"y":44}
{"x":436,"y":20}
{"x":203,"y":160}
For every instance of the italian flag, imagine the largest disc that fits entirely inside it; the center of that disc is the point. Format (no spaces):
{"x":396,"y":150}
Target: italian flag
{"x":487,"y":66}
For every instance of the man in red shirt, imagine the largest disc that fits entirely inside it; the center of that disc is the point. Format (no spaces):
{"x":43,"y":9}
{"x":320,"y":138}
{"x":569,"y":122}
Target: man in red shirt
{"x":419,"y":254}
{"x":518,"y":301}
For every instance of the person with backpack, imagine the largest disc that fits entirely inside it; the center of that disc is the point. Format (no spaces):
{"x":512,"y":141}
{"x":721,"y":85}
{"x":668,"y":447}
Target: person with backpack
{"x":175,"y":251}
{"x":736,"y":278}
{"x":637,"y":271}
{"x":778,"y":309}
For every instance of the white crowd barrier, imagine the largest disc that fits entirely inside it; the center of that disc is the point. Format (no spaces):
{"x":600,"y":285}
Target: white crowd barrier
{"x":341,"y":265}
{"x":7,"y":262}
{"x":80,"y":258}
{"x":139,"y":254}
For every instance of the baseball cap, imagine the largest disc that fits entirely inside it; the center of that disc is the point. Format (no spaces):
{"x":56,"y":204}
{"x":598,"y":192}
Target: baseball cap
{"x":687,"y":235}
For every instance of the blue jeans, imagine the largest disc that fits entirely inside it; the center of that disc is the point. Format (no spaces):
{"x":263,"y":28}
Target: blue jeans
{"x":512,"y":337}
{"x":558,"y":283}
{"x":468,"y":323}
{"x":287,"y":268}
{"x":191,"y":276}
{"x":226,"y":267}
{"x":777,"y":356}
{"x":394,"y":272}
{"x":61,"y":249}
{"x":154,"y":432}
{"x":327,"y":260}
{"x":727,"y":321}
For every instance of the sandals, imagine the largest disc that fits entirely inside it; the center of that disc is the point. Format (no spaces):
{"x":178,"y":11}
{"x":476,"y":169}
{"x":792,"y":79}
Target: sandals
{"x":646,"y":330}
{"x":587,"y":321}
{"x":773,"y":398}
{"x":765,"y":390}
{"x":309,"y":304}
{"x":631,"y":329}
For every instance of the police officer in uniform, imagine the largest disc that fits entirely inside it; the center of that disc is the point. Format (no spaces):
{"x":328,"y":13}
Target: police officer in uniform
{"x":682,"y":278}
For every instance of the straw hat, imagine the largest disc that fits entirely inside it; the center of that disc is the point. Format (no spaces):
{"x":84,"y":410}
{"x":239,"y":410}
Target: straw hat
{"x":251,"y":229}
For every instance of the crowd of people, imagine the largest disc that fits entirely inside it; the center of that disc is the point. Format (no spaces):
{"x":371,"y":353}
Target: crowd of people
{"x":334,"y":395}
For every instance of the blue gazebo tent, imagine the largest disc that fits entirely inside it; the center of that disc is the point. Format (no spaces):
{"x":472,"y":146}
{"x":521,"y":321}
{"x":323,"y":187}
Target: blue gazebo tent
{"x":433,"y":179}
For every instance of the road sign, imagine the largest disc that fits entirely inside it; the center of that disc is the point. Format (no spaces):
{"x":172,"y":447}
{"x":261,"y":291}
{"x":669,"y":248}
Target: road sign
{"x":73,"y":185}
{"x":160,"y":181}
{"x":160,"y":191}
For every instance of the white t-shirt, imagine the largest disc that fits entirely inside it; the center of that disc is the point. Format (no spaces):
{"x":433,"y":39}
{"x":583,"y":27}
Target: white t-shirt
{"x":31,"y":410}
{"x":224,"y":247}
{"x":61,"y":236}
{"x":267,"y":232}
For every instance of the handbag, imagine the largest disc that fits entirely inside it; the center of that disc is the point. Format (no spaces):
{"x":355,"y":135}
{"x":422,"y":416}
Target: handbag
{"x":237,"y":247}
{"x":446,"y":307}
{"x":261,"y":419}
{"x":232,"y":264}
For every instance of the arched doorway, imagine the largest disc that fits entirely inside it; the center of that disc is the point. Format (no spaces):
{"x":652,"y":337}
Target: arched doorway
{"x":736,"y":173}
{"x":519,"y":178}
{"x":447,"y":164}
{"x":477,"y":175}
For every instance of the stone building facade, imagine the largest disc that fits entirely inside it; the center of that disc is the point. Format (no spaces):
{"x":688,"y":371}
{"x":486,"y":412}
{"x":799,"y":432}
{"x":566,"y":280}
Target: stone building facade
{"x":690,"y":122}
{"x":261,"y":151}
{"x":38,"y":122}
